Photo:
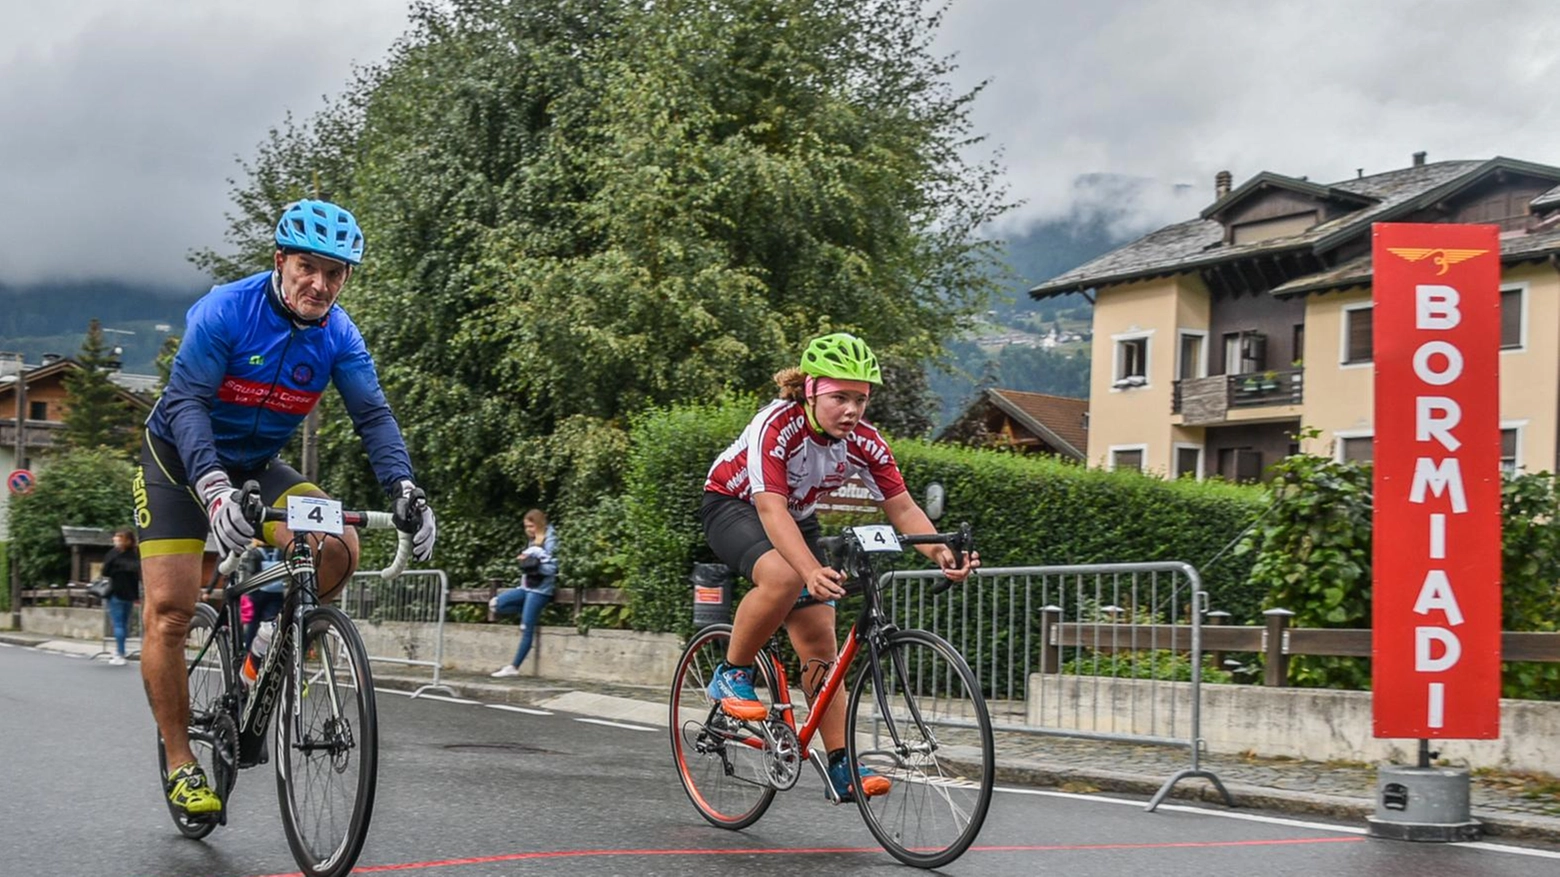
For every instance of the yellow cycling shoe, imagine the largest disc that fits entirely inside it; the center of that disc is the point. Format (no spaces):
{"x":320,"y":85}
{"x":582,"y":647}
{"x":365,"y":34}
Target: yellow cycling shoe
{"x":190,"y":791}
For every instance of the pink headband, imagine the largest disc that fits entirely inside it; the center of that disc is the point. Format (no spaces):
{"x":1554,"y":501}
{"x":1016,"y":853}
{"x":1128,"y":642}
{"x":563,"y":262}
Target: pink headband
{"x":819,"y":386}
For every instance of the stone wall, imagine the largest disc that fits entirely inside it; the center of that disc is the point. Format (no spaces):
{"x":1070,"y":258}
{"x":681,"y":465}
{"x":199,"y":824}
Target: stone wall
{"x":1307,"y":723}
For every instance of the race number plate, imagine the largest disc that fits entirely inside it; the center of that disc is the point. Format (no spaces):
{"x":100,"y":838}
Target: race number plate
{"x":877,"y":537}
{"x":313,"y":514}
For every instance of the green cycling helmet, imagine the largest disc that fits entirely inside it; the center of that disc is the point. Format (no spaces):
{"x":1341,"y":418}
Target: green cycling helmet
{"x":842,"y":356}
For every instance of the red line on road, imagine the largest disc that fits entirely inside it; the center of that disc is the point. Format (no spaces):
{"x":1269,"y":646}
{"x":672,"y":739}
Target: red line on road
{"x":804,"y":851}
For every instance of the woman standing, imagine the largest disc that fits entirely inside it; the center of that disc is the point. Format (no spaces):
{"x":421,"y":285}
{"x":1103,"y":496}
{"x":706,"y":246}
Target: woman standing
{"x":538,"y":580}
{"x":122,"y":566}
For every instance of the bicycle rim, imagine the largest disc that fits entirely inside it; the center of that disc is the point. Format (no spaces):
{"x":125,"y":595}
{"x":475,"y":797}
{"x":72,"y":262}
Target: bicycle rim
{"x":927,"y":730}
{"x":719,"y":761}
{"x":327,"y":746}
{"x":213,"y":738}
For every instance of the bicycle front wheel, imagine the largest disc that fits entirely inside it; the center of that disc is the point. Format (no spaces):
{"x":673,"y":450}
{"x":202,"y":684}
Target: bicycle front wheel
{"x":213,"y":733}
{"x":327,"y":746}
{"x":720,"y":760}
{"x":921,"y":721}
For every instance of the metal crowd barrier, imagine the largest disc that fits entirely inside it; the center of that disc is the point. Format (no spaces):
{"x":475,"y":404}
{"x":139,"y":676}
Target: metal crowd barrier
{"x":404,"y":611}
{"x":1097,"y":651}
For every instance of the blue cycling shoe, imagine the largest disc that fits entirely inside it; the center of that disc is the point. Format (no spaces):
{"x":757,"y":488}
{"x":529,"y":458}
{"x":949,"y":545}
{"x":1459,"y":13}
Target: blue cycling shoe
{"x":872,"y":782}
{"x":732,"y":688}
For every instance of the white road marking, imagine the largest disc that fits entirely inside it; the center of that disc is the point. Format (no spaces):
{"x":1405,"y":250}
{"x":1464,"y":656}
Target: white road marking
{"x":1270,"y":820}
{"x":460,"y":700}
{"x":517,"y":709}
{"x":616,"y":724}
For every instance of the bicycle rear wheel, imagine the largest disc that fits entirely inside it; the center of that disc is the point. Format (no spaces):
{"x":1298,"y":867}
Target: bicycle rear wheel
{"x":720,"y":760}
{"x":327,"y":746}
{"x":213,"y":733}
{"x":922,"y":723}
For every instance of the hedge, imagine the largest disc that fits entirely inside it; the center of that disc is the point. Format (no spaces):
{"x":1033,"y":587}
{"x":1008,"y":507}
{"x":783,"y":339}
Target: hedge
{"x":1026,"y":510}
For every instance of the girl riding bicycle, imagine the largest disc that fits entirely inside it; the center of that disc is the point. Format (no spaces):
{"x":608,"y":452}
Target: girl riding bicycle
{"x":759,"y":517}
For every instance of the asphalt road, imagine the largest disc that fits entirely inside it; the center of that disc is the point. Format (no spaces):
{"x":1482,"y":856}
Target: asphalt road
{"x":470,"y":790}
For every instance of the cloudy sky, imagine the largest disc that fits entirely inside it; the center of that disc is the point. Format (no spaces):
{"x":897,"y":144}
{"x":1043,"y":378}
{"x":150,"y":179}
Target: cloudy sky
{"x":121,"y":121}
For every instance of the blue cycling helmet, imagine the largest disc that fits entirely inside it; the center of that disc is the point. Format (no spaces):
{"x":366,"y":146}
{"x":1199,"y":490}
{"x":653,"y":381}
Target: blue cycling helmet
{"x":320,"y":227}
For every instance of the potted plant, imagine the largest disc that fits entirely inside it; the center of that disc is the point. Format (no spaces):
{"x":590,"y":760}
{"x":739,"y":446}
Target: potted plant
{"x":1269,"y":380}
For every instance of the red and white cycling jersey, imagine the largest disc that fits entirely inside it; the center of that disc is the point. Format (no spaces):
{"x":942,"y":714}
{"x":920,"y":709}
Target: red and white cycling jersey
{"x":779,"y":453}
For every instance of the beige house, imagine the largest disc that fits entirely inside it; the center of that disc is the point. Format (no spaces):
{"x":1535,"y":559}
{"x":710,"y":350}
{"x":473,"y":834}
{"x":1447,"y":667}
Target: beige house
{"x":1218,"y":338}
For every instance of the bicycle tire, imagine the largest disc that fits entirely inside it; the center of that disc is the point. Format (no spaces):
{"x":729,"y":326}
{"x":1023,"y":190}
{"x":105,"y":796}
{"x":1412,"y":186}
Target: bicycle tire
{"x":213,"y":733}
{"x":719,"y":761}
{"x":943,"y":766}
{"x":327,"y":801}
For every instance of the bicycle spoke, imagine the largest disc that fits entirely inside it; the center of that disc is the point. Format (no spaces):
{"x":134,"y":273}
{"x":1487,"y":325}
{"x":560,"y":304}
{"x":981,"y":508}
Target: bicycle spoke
{"x":721,"y":761}
{"x":938,"y":755}
{"x":327,"y":747}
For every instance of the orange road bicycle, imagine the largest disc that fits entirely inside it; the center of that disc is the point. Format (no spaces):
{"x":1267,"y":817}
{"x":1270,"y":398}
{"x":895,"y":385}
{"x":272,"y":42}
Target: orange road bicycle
{"x":916,"y":715}
{"x":315,"y":680}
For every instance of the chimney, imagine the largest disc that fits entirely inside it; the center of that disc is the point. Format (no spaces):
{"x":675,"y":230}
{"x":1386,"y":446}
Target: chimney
{"x":1419,"y":158}
{"x":1221,"y":184}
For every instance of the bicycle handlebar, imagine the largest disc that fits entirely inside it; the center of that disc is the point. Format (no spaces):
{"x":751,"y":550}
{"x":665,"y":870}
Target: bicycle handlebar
{"x":960,"y":541}
{"x":257,"y":513}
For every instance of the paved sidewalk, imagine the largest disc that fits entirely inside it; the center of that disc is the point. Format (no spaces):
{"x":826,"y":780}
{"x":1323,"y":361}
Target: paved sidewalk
{"x":1510,"y":806}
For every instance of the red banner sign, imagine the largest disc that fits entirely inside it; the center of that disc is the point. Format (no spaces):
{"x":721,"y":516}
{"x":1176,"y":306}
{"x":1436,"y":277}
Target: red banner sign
{"x":1436,"y":597}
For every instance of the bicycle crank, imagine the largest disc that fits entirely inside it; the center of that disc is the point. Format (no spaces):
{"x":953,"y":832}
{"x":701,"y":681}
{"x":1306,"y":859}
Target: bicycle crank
{"x":782,"y":754}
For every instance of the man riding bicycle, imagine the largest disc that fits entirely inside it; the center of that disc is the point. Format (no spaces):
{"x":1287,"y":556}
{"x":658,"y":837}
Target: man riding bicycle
{"x":257,"y":355}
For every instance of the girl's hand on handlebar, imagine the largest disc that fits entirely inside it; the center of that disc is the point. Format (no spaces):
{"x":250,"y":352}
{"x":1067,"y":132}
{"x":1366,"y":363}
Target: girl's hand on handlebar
{"x":957,"y":573}
{"x":824,"y":584}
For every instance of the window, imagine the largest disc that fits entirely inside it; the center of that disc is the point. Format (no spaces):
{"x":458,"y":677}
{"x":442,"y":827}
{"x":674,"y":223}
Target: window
{"x":1127,"y":458}
{"x":1298,"y":344}
{"x":1190,"y":362}
{"x":1513,"y":307}
{"x":1232,"y":353}
{"x":1356,"y":449}
{"x":37,"y":411}
{"x":1508,"y":451}
{"x":1188,"y":461}
{"x":1357,"y":345}
{"x":1131,"y":362}
{"x":1240,"y":464}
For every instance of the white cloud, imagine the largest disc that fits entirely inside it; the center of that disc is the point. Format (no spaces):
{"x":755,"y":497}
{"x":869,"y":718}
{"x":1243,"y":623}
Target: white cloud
{"x":122,"y":118}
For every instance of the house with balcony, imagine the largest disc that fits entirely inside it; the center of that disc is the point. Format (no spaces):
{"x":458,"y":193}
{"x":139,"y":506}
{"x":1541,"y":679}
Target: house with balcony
{"x":1218,"y":338}
{"x":43,"y":405}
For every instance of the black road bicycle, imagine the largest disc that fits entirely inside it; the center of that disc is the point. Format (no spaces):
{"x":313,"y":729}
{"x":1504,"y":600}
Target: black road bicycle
{"x":315,"y":680}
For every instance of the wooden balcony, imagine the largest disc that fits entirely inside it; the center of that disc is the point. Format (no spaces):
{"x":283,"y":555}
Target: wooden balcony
{"x":1204,"y":401}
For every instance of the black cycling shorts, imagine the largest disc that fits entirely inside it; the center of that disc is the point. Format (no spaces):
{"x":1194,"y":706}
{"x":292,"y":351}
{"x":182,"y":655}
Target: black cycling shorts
{"x":170,"y":518}
{"x":734,"y":530}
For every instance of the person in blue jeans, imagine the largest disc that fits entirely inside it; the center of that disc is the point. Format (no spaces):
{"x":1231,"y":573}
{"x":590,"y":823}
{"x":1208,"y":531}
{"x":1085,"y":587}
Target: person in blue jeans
{"x":538,"y":580}
{"x":122,"y":566}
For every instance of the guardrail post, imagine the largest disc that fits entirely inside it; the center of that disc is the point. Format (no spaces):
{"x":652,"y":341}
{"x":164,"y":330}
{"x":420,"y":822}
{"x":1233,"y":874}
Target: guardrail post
{"x":1276,"y":672}
{"x":1050,"y":650}
{"x":1218,"y":619}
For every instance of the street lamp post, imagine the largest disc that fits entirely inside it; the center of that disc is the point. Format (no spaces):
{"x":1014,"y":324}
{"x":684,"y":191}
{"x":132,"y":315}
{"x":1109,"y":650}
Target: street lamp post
{"x":21,"y":463}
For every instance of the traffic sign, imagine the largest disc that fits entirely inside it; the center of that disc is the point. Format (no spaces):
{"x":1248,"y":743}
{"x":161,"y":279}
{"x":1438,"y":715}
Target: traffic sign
{"x":19,"y":481}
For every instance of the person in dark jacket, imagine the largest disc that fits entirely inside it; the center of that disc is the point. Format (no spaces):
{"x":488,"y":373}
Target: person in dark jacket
{"x":122,"y":567}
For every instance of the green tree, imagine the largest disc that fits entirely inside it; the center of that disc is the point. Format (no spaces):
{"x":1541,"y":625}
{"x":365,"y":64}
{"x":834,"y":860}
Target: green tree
{"x":576,"y":210}
{"x":164,"y":362}
{"x":95,"y":414}
{"x":80,"y":488}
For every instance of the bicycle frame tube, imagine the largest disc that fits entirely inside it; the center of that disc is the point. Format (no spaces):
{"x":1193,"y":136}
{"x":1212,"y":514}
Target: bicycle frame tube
{"x":833,"y":682}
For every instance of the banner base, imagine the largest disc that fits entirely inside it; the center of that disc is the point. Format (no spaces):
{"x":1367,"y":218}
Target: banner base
{"x":1423,"y":804}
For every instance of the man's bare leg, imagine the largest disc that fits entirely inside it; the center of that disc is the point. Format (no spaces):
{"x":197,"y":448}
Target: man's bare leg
{"x":172,"y":587}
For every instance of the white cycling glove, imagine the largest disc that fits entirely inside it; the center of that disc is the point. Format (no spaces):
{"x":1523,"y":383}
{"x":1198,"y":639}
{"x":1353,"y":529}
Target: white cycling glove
{"x":225,"y":510}
{"x":411,"y":514}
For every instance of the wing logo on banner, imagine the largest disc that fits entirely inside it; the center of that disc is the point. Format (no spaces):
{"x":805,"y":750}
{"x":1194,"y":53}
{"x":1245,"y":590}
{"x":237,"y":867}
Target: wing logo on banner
{"x":1444,"y":258}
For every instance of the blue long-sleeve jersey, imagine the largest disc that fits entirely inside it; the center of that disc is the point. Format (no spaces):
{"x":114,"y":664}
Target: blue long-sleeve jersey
{"x":246,"y":375}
